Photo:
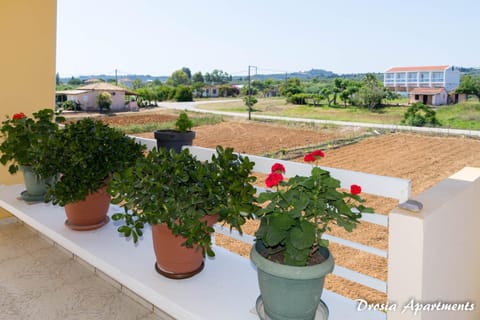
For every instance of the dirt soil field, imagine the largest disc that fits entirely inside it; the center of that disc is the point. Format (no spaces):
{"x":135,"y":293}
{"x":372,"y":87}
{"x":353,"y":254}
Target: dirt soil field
{"x":425,"y":160}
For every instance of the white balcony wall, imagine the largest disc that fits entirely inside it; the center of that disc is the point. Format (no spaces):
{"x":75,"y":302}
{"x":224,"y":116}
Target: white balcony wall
{"x":433,"y":254}
{"x":452,"y":79}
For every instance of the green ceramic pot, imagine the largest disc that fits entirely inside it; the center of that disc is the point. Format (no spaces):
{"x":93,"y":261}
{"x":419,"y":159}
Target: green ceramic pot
{"x":36,"y":187}
{"x":289,"y":292}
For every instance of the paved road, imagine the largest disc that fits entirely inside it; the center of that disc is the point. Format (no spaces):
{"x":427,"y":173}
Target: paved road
{"x":192,"y":106}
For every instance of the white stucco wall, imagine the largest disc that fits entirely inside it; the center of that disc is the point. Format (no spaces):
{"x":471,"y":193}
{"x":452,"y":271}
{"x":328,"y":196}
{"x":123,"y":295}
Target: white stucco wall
{"x":434,"y":255}
{"x":88,"y":100}
{"x":452,"y":78}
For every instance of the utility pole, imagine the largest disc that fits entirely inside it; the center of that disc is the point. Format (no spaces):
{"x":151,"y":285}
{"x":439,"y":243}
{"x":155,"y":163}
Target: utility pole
{"x":116,"y":78}
{"x":250,"y":92}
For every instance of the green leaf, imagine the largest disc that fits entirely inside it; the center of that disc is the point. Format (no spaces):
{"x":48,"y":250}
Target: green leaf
{"x":303,"y":237}
{"x":282,"y":221}
{"x":274,"y":236}
{"x":296,"y":257}
{"x":123,"y":229}
{"x":117,"y":216}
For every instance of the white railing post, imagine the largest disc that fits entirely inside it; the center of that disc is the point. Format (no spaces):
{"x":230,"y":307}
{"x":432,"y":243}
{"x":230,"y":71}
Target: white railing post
{"x":434,"y":255}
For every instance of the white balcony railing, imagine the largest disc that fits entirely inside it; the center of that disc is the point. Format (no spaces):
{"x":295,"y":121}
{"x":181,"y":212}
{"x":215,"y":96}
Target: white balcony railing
{"x":227,"y":288}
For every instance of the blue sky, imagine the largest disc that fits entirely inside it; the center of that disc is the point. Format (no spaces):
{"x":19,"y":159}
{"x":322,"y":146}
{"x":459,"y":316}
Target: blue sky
{"x":158,"y":37}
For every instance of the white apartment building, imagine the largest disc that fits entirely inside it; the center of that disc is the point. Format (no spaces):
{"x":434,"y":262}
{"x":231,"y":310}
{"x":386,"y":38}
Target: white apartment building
{"x":404,"y":79}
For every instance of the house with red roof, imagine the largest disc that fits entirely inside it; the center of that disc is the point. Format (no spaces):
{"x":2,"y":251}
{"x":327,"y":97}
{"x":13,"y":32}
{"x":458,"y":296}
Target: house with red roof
{"x":427,"y":84}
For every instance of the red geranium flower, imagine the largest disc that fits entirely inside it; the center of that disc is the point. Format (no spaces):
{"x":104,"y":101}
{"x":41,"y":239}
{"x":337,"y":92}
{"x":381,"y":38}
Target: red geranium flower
{"x":309,"y":158}
{"x":18,"y":116}
{"x":355,"y":189}
{"x":273,"y":179}
{"x":318,"y":153}
{"x":278,"y":167}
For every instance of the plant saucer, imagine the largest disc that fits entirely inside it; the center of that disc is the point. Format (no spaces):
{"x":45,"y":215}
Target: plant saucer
{"x":321,"y":314}
{"x":24,"y":195}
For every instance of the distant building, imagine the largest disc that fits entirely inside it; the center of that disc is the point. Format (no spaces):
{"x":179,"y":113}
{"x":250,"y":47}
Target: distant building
{"x":211,"y":91}
{"x":86,"y":97}
{"x":430,"y":96}
{"x":404,"y":79}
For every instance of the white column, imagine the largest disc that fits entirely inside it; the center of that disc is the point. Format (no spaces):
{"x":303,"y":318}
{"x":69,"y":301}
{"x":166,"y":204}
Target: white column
{"x":434,"y":255}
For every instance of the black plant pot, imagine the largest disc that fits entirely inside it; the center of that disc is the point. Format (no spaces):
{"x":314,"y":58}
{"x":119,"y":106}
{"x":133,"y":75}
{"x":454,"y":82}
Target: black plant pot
{"x":171,"y":139}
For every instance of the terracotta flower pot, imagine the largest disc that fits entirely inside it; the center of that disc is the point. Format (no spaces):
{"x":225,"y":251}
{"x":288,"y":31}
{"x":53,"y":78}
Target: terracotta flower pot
{"x":172,"y":259}
{"x":90,"y":213}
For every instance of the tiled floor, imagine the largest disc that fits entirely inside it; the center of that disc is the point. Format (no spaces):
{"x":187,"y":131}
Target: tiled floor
{"x":38,"y":280}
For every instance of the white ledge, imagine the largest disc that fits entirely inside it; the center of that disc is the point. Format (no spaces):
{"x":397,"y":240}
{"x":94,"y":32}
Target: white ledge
{"x":226,"y":289}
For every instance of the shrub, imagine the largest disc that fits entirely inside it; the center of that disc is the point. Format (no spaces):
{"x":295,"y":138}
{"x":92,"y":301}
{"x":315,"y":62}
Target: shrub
{"x":70,"y":105}
{"x":104,"y":101}
{"x":183,"y":122}
{"x":250,"y":99}
{"x":183,"y":93}
{"x":419,"y":115}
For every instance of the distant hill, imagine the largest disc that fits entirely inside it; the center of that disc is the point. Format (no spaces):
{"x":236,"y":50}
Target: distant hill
{"x":105,"y":77}
{"x":302,"y":75}
{"x":470,"y":71}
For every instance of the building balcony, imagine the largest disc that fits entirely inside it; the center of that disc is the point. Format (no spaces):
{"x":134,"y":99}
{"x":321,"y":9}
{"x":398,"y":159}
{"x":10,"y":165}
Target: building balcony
{"x":227,"y":288}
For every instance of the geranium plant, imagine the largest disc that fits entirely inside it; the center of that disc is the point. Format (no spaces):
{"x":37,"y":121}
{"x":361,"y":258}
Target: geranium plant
{"x":22,"y":137}
{"x":297,"y":212}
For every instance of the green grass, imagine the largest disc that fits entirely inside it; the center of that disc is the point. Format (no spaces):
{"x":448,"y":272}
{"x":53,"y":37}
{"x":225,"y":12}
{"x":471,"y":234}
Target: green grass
{"x":460,"y":116}
{"x":152,"y":126}
{"x":278,"y":107}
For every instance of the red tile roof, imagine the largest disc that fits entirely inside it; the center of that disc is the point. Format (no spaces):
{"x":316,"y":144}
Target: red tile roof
{"x":427,"y":91}
{"x":416,"y":69}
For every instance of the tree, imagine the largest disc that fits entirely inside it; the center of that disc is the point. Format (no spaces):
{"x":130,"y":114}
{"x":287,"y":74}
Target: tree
{"x":187,"y":72}
{"x":104,"y":100}
{"x":178,"y":78}
{"x":74,"y":81}
{"x":250,"y":101}
{"x":469,"y":85}
{"x":291,"y":86}
{"x":327,"y":93}
{"x":137,"y":84}
{"x":348,"y":94}
{"x":198,"y":77}
{"x":338,"y":86}
{"x":371,"y":92}
{"x":217,"y":77}
{"x":57,"y":79}
{"x":156,"y":83}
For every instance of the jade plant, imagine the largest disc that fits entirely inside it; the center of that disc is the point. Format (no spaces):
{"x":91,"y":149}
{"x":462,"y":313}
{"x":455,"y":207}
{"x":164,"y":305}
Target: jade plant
{"x":85,"y":155}
{"x":178,"y":190}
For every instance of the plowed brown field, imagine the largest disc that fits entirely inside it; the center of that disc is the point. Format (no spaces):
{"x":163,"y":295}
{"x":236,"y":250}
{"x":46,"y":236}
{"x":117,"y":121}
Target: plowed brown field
{"x":425,"y":160}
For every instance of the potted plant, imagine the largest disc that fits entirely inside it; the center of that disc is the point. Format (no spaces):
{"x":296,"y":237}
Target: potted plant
{"x":22,"y":139}
{"x":181,"y":198}
{"x":84,"y":155}
{"x":175,"y":139}
{"x":291,"y":257}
